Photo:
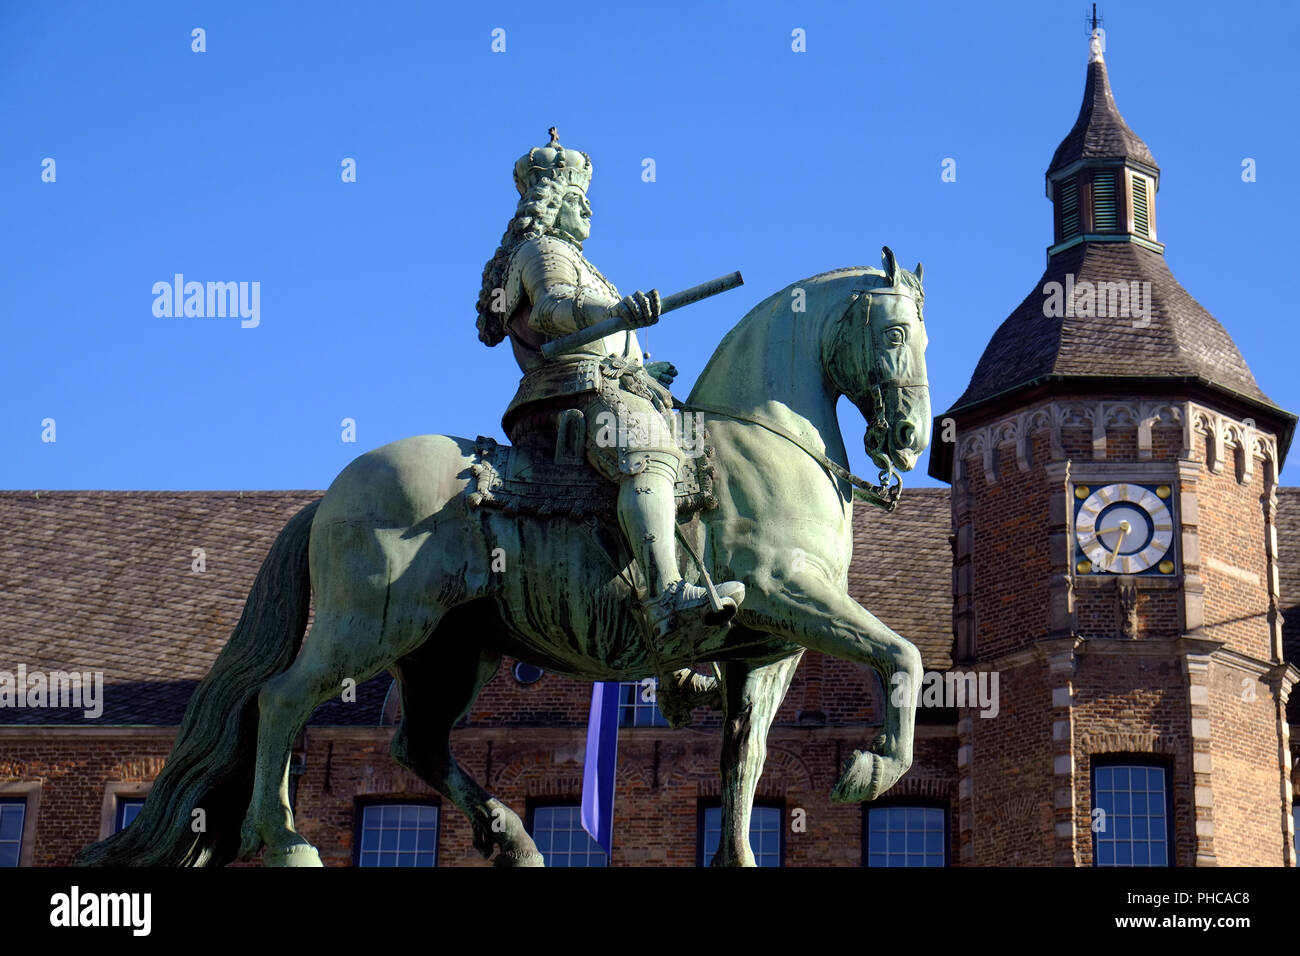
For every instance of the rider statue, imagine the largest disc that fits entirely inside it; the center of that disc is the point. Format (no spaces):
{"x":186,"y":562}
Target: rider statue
{"x":538,"y":287}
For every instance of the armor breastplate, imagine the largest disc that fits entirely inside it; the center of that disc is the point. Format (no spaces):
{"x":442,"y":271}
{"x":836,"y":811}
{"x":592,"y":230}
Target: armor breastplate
{"x":554,"y":267}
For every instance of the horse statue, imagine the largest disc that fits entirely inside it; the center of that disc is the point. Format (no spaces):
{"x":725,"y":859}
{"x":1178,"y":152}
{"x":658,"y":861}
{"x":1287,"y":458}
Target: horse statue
{"x":403,"y":558}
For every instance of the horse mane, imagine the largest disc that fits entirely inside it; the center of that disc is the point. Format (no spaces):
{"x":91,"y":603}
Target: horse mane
{"x":908,"y":277}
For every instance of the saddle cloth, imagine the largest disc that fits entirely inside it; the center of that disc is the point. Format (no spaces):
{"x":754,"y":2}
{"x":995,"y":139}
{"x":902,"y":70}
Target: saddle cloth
{"x":532,"y":480}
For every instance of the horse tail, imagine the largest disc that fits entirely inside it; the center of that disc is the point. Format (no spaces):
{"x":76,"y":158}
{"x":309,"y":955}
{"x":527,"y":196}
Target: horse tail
{"x":192,"y":815}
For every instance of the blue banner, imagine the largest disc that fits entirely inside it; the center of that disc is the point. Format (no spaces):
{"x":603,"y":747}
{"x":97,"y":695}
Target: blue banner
{"x":601,"y":761}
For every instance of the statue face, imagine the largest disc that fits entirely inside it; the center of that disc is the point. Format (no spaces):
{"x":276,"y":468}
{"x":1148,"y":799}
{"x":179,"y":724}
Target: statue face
{"x":574,"y":216}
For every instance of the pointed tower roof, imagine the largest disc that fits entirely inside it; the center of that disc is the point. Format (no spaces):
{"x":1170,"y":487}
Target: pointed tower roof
{"x":1107,"y":313}
{"x":1174,"y":338}
{"x":1100,"y":130}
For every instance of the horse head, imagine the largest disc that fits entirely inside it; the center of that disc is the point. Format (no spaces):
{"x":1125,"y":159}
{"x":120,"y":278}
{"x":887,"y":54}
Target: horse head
{"x":877,"y":358}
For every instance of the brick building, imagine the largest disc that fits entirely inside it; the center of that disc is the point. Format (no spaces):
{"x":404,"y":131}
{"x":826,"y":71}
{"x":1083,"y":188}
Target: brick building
{"x":1114,"y":549}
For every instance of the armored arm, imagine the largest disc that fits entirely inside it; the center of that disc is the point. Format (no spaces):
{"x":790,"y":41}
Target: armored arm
{"x":545,"y":269}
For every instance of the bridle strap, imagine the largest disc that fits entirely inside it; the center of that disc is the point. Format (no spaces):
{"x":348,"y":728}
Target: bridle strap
{"x":883,"y":495}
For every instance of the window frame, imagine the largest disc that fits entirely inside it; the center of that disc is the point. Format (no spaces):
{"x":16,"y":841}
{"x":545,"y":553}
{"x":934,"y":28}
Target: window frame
{"x":1147,"y":190}
{"x":903,"y":803}
{"x":1062,"y":189}
{"x":1146,"y":761}
{"x":361,"y":803}
{"x":115,"y":790}
{"x":122,"y":801}
{"x":542,"y":803}
{"x":519,"y":665}
{"x":1110,"y":175}
{"x":660,"y":721}
{"x":715,"y":803}
{"x":27,"y":793}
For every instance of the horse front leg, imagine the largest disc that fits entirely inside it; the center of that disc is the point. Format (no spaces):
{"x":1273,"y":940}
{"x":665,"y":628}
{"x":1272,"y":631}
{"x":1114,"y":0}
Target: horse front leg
{"x":812,"y":612}
{"x":751,"y":697}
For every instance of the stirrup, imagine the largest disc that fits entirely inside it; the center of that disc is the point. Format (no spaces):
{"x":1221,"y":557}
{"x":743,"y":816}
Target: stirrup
{"x":681,"y":598}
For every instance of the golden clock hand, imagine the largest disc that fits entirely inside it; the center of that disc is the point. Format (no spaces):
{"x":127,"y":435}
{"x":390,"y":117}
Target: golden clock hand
{"x":1124,"y":527}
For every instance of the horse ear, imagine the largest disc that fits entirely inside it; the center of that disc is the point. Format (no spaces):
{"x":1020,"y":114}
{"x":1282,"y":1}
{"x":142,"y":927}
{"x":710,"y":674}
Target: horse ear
{"x":891,"y":265}
{"x":920,"y":271}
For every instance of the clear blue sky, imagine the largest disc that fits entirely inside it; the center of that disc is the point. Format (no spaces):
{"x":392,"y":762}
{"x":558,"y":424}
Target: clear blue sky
{"x":225,"y":166}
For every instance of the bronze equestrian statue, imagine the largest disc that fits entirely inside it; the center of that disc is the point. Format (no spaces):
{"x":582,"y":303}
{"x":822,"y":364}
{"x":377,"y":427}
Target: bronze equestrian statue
{"x":434,"y":556}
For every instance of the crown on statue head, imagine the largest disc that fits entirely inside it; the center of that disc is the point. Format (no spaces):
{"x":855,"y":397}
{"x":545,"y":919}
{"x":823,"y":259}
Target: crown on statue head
{"x":553,"y":161}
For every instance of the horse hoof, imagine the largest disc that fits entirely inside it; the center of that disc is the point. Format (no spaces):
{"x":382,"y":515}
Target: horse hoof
{"x":300,"y":854}
{"x":519,"y":858}
{"x":860,"y":780}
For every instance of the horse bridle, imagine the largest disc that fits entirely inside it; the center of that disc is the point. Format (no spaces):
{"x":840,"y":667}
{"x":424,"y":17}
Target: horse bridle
{"x":885,"y":494}
{"x":875,"y":387}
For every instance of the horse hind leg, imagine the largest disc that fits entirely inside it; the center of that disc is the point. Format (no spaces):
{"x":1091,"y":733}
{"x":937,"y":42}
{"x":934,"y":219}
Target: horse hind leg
{"x":327,"y":659}
{"x":436,"y":692}
{"x":751,"y":697}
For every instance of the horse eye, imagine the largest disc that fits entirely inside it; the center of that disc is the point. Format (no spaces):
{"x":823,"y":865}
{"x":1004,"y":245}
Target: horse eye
{"x":894,"y":336}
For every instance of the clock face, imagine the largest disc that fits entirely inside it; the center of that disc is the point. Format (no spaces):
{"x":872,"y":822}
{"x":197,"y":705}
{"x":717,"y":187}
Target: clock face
{"x":1123,"y":528}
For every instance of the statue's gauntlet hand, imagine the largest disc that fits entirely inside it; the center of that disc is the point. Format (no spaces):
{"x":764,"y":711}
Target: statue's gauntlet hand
{"x":639,"y":308}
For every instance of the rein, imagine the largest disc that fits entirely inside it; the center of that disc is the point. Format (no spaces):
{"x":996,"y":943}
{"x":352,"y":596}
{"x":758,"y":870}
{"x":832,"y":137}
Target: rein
{"x":883,"y":495}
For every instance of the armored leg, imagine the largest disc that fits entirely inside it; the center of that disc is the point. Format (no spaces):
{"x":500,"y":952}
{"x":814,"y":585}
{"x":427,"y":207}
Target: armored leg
{"x":648,"y":514}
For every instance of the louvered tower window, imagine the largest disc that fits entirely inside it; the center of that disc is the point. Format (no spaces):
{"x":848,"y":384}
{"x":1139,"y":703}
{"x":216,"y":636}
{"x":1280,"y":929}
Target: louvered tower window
{"x":1141,"y":212}
{"x":1103,"y":202}
{"x":1069,"y":209}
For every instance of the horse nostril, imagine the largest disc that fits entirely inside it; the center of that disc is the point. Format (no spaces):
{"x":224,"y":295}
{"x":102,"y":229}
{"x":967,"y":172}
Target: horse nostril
{"x":906,"y":434}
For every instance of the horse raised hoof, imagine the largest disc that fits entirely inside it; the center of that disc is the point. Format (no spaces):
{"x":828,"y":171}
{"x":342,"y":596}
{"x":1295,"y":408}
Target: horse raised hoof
{"x":299,"y":854}
{"x":867,"y":776}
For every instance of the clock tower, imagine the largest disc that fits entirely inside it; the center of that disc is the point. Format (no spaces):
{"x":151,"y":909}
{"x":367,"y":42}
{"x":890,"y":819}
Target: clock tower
{"x":1114,"y":469}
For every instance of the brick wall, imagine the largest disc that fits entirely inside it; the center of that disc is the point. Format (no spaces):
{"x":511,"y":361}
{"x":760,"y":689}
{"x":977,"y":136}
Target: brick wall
{"x":1131,"y":704}
{"x":1233,"y":560}
{"x":1249,"y":826}
{"x":1011,"y":775}
{"x":73,"y":768}
{"x":1011,"y":553}
{"x":662,"y":778}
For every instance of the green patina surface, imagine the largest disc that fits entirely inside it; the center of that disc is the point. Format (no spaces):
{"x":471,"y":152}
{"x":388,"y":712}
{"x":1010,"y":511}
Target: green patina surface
{"x":419,"y":561}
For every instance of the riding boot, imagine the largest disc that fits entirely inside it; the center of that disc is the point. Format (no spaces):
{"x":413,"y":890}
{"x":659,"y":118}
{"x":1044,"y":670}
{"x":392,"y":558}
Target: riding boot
{"x":647,"y":512}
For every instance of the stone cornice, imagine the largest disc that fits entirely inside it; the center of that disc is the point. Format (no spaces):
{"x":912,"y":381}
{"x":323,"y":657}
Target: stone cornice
{"x":1223,"y":433}
{"x":1284,"y":675}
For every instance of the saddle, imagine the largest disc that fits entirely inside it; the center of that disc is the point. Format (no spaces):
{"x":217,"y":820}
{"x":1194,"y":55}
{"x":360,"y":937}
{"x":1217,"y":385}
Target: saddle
{"x":547,"y":474}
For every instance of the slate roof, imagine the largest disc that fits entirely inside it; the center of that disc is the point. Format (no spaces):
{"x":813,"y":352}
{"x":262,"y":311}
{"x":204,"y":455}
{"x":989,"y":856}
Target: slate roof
{"x":1183,"y":340}
{"x":1099,"y":132}
{"x":102,"y":581}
